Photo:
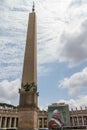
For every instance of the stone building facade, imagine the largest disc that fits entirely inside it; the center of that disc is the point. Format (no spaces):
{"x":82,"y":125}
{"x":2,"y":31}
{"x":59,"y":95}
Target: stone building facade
{"x":9,"y":118}
{"x":78,"y":117}
{"x":43,"y":119}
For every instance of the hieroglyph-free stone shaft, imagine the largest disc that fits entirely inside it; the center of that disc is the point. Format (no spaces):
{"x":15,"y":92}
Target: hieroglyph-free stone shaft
{"x":30,"y":59}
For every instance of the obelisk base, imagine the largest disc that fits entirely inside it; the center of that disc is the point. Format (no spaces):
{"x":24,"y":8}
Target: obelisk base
{"x":28,"y":111}
{"x":28,"y":119}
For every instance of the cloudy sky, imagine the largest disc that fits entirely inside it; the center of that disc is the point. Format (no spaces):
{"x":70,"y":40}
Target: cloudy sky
{"x":61,"y":50}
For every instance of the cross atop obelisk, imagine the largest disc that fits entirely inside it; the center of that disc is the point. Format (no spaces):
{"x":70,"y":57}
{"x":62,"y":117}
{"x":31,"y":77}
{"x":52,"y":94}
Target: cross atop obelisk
{"x":33,"y":7}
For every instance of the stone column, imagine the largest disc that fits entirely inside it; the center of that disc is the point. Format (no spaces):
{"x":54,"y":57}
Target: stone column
{"x":10,"y":122}
{"x":82,"y":121}
{"x":0,"y":121}
{"x":42,"y":122}
{"x":77,"y":121}
{"x":5,"y":122}
{"x":73,"y":121}
{"x":15,"y":122}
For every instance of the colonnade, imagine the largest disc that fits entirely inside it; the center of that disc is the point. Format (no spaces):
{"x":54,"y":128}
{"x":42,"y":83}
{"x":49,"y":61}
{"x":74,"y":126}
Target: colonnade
{"x":42,"y":122}
{"x":8,"y":118}
{"x":78,"y":120}
{"x":8,"y":122}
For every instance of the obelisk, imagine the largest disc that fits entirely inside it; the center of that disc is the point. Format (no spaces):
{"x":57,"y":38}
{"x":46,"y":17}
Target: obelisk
{"x":28,"y":104}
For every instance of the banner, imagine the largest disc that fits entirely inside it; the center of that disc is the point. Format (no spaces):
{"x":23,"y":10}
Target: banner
{"x":58,"y":116}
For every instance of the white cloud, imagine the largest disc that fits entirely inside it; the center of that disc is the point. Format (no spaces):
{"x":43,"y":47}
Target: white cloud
{"x":9,"y":90}
{"x":63,"y":37}
{"x":55,"y":21}
{"x":73,"y":48}
{"x":76,"y":83}
{"x":78,"y":2}
{"x":54,"y":18}
{"x":80,"y":102}
{"x":44,"y":70}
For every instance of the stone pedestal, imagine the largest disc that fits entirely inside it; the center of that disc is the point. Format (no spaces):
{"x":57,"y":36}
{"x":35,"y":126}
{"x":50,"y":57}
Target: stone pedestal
{"x":28,"y":111}
{"x":28,"y":120}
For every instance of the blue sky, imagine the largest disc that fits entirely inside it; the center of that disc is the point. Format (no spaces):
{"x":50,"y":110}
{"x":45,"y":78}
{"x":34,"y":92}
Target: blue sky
{"x":61,"y":50}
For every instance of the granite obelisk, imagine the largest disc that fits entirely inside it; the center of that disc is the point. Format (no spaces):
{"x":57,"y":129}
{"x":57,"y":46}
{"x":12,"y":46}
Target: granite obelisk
{"x":28,"y":104}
